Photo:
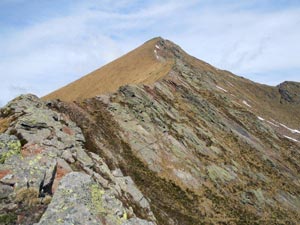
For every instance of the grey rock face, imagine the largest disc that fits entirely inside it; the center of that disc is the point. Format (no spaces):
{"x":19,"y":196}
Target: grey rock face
{"x":46,"y":146}
{"x":290,"y":92}
{"x":72,"y":202}
{"x":136,"y":221}
{"x":80,"y":200}
{"x":5,"y":191}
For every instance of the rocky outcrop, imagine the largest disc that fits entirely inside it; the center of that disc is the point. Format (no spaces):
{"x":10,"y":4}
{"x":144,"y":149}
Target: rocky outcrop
{"x":40,"y":150}
{"x":290,"y":92}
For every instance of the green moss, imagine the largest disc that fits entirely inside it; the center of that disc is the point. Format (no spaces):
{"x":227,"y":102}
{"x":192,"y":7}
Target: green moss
{"x":8,"y":218}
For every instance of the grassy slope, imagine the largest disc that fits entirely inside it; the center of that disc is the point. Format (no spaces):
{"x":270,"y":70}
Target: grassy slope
{"x":265,"y":100}
{"x":138,"y":66}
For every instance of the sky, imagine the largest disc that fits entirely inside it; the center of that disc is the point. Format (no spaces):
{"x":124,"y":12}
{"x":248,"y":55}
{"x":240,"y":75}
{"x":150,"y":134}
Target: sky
{"x":47,"y":44}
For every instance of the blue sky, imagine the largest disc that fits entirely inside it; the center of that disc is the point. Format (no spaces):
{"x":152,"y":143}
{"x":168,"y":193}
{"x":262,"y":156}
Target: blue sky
{"x":47,"y":44}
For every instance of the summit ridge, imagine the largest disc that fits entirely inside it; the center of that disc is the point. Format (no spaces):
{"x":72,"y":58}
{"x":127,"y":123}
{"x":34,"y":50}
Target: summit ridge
{"x":156,"y":137}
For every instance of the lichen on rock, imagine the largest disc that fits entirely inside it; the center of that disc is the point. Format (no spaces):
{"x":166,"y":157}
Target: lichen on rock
{"x":9,"y":146}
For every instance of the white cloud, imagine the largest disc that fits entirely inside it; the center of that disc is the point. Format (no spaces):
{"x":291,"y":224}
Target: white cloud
{"x":243,"y":38}
{"x":54,"y":51}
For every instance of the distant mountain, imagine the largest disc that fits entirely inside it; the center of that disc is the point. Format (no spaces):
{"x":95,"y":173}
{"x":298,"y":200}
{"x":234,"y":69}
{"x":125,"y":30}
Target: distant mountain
{"x":155,"y":137}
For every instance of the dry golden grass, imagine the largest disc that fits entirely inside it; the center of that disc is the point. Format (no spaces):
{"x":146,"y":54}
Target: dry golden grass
{"x":136,"y":67}
{"x":28,"y":196}
{"x":4,"y":124}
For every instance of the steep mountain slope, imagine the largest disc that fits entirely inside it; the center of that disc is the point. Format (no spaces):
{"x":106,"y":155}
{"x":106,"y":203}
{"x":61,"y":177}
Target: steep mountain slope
{"x":199,"y":145}
{"x":141,"y":65}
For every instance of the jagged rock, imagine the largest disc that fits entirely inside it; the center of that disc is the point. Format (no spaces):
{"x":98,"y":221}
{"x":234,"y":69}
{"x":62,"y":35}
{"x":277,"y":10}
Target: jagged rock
{"x":52,"y":146}
{"x":45,"y":137}
{"x":117,"y":173}
{"x":67,"y":155}
{"x":5,"y":191}
{"x":83,"y":157}
{"x":62,"y":168}
{"x":79,"y":200}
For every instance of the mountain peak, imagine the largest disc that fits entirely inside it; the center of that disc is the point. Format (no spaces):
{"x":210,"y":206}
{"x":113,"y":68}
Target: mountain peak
{"x":144,"y":65}
{"x":183,"y":143}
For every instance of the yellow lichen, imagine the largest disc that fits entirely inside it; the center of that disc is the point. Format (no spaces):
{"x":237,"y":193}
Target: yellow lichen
{"x":97,"y":194}
{"x":97,"y":205}
{"x":14,"y":148}
{"x":60,"y":220}
{"x":14,"y":145}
